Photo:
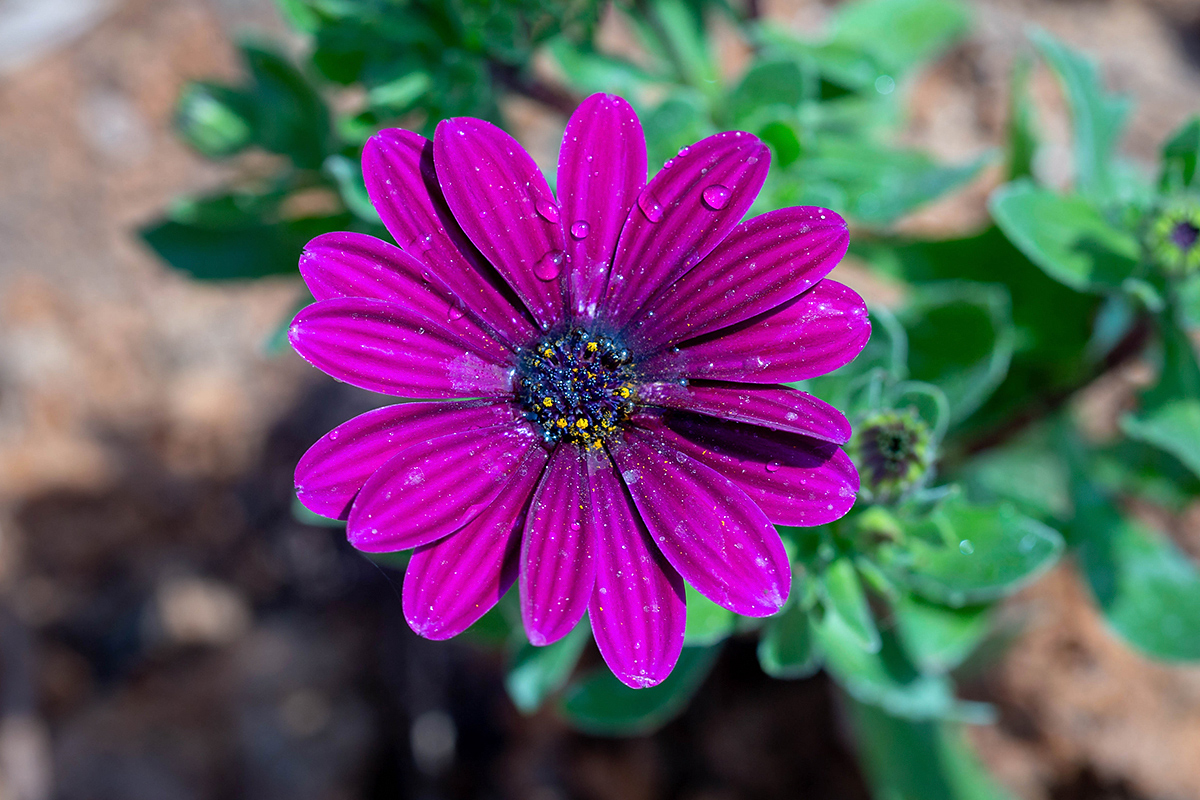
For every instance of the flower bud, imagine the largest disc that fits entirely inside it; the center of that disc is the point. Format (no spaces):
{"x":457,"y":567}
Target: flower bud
{"x":1173,"y":238}
{"x":893,"y":451}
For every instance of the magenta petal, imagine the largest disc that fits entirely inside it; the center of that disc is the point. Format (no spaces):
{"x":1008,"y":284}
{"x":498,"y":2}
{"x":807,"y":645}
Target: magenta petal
{"x":502,"y":201}
{"x":793,"y":479}
{"x":557,"y":566}
{"x":401,"y":182}
{"x":397,"y":350}
{"x":435,"y":486}
{"x":684,"y":212}
{"x":637,"y":610}
{"x":355,"y":265}
{"x":601,"y":170}
{"x":813,"y":334}
{"x":454,"y":581}
{"x":706,"y":526}
{"x":763,"y":263}
{"x":330,"y":474}
{"x":773,"y":406}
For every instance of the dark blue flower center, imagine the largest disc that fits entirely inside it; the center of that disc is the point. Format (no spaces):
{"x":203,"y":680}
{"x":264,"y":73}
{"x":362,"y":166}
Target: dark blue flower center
{"x":1184,"y":235}
{"x":576,"y":386}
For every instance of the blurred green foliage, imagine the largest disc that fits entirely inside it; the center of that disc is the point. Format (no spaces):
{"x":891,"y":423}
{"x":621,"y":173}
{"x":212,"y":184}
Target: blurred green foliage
{"x":996,"y":332}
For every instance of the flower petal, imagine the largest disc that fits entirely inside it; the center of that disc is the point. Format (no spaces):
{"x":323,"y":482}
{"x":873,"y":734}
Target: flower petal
{"x":330,"y":474}
{"x":773,"y":406}
{"x":397,"y":350}
{"x":763,"y":263}
{"x":708,"y":529}
{"x":355,"y":265}
{"x":558,"y":570}
{"x":813,"y":334}
{"x":502,"y":201}
{"x":793,"y":479}
{"x":601,"y":170}
{"x":433,"y":487}
{"x":452,"y":582}
{"x":637,"y":611}
{"x":401,"y":182}
{"x":684,"y":212}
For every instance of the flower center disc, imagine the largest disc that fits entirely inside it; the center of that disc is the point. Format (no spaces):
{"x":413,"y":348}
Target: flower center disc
{"x":1184,"y":235}
{"x":576,"y":386}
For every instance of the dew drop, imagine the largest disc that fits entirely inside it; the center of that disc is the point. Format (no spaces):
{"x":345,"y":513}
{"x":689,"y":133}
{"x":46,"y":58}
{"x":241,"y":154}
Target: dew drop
{"x":965,"y":547}
{"x":683,"y":151}
{"x":716,"y":196}
{"x":549,"y":266}
{"x":773,"y":466}
{"x":580,"y":229}
{"x":650,"y":207}
{"x":454,"y":313}
{"x":547,"y":210}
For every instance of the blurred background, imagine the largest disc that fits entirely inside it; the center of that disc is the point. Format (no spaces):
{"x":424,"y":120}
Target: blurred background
{"x":169,"y":629}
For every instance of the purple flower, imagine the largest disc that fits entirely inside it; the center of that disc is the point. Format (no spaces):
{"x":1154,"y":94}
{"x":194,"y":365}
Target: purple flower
{"x":621,"y":347}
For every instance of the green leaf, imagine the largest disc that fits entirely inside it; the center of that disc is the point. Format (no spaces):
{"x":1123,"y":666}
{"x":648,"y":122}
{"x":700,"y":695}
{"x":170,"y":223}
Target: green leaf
{"x":1097,"y":117}
{"x":880,"y":184}
{"x":1187,"y":300}
{"x":1028,"y":472}
{"x":1179,"y":158}
{"x":352,"y":188}
{"x":299,"y":15}
{"x":767,"y":83}
{"x":907,"y":760}
{"x":214,"y":119}
{"x":399,"y":94}
{"x":887,"y":678}
{"x":538,"y":672}
{"x":961,"y":339}
{"x":678,"y":122}
{"x":290,"y":116}
{"x":1065,"y":236}
{"x":707,"y":622}
{"x":962,"y":554}
{"x":900,"y":34}
{"x":590,"y":71}
{"x":1148,"y":590}
{"x":938,"y":638}
{"x":787,"y":648}
{"x":681,"y":28}
{"x":1022,"y":131}
{"x":844,"y":595}
{"x":602,"y":705}
{"x":235,"y":237}
{"x":1170,"y":414}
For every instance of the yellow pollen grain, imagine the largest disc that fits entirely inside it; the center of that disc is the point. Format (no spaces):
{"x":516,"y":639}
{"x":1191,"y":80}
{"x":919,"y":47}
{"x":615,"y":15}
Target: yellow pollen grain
{"x":560,"y":422}
{"x":581,"y":423}
{"x":547,"y":402}
{"x":592,"y":347}
{"x":623,"y":391}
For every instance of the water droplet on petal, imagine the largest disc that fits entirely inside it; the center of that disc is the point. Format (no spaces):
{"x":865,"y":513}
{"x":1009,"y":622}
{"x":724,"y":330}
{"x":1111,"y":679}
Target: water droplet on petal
{"x":580,"y":229}
{"x":454,"y":313}
{"x":965,"y":547}
{"x":669,"y":164}
{"x":773,"y":466}
{"x":547,"y":210}
{"x":549,"y":266}
{"x":650,"y":207}
{"x":683,"y":151}
{"x":716,"y":196}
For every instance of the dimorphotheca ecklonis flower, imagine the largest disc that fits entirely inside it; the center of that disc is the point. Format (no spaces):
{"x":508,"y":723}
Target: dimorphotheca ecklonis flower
{"x":620,"y":348}
{"x":1173,"y":238}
